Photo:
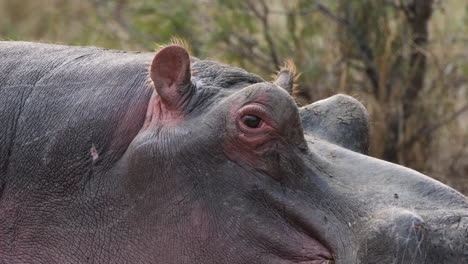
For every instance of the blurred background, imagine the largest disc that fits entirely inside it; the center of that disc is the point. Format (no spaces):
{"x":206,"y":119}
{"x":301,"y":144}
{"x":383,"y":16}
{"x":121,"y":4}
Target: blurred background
{"x":405,"y":60}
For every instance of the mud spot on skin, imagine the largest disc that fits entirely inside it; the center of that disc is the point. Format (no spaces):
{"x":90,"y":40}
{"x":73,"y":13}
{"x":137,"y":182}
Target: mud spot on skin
{"x":94,"y":153}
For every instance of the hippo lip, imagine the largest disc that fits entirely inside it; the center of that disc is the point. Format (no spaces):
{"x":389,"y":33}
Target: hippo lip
{"x":316,"y":261}
{"x":310,"y":244}
{"x":321,"y":254}
{"x":320,"y":261}
{"x":312,"y":249}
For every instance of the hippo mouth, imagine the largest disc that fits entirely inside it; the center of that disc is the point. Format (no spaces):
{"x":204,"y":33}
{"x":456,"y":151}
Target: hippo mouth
{"x":304,"y":247}
{"x":314,"y":247}
{"x":321,"y":255}
{"x":302,"y":237}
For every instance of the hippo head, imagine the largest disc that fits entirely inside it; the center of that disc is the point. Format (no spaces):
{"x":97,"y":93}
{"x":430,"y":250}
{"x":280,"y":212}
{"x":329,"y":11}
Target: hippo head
{"x":227,"y":169}
{"x":217,"y":166}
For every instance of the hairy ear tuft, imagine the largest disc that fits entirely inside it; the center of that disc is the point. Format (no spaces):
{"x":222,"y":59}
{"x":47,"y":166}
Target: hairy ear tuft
{"x":287,"y":76}
{"x":183,"y":43}
{"x":178,"y":41}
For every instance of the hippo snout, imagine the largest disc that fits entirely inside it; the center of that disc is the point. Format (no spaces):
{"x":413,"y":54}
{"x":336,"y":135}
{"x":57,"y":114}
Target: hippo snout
{"x":413,"y":240}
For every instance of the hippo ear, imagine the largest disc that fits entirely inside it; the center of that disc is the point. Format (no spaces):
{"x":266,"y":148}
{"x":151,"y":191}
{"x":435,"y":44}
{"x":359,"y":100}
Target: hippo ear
{"x":170,"y":73}
{"x":286,"y":76}
{"x":285,"y":80}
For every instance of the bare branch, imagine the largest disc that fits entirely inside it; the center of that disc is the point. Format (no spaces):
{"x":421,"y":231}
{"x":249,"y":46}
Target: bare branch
{"x":321,"y":7}
{"x":263,"y":17}
{"x":429,"y":129}
{"x":121,"y":25}
{"x":363,"y":48}
{"x":328,"y":13}
{"x":458,"y":155}
{"x":418,"y":16}
{"x":247,"y":52}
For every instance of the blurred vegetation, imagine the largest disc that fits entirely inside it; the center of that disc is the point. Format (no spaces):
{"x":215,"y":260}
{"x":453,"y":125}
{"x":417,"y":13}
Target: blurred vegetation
{"x":406,"y":60}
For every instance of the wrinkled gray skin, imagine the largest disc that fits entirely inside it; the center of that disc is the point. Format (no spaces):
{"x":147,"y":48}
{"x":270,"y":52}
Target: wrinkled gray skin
{"x":96,"y":167}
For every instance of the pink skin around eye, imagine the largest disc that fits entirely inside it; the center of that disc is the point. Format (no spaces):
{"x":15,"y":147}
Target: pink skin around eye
{"x":259,"y":135}
{"x":255,"y":110}
{"x":246,"y":144}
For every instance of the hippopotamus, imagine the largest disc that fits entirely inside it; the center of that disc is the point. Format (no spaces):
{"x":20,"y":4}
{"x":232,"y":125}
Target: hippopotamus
{"x":138,"y":157}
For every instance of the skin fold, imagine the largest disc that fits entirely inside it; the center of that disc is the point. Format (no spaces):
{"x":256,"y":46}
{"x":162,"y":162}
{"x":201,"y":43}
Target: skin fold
{"x":125,"y":157}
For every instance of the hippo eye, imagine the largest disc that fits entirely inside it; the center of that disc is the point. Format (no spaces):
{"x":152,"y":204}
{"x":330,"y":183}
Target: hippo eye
{"x":252,"y":121}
